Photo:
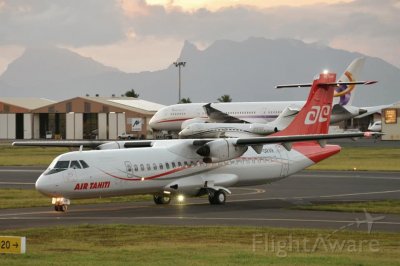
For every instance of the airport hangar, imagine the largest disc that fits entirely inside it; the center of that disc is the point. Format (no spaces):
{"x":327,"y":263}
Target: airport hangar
{"x":75,"y":118}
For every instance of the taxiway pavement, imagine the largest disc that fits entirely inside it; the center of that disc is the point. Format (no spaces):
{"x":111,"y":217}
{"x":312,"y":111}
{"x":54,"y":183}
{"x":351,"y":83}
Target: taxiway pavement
{"x":266,"y":205}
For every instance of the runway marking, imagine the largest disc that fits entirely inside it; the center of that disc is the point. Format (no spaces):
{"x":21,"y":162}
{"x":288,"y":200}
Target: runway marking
{"x":16,"y":183}
{"x":255,"y":191}
{"x":320,"y":196}
{"x":195,"y":218}
{"x":22,"y":170}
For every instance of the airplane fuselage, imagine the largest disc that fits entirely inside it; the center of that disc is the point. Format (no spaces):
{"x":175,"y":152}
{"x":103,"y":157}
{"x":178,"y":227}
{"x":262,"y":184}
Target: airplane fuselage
{"x":161,"y":169}
{"x":170,"y":118}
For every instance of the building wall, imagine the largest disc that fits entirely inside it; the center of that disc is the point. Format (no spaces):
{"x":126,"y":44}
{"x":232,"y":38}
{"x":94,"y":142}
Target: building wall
{"x":391,"y":130}
{"x":83,"y":105}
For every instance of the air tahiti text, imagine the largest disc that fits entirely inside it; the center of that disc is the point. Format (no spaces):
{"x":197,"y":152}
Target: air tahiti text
{"x":92,"y":185}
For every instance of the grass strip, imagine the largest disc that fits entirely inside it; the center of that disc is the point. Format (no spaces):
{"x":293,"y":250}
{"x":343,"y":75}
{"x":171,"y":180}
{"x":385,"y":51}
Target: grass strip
{"x":362,"y":159}
{"x":171,"y":245}
{"x":26,"y":198}
{"x":350,"y":158}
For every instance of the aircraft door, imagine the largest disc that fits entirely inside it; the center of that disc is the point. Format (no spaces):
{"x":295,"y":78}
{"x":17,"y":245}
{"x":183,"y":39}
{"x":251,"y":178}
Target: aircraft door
{"x":129,"y":169}
{"x":284,"y":159}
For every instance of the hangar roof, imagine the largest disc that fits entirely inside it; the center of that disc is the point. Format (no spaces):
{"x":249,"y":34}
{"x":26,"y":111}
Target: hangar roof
{"x":29,"y":103}
{"x":115,"y":103}
{"x":127,"y":103}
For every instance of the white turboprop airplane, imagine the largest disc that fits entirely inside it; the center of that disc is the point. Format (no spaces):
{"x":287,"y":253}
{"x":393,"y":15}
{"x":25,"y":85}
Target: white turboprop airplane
{"x":239,"y":130}
{"x":176,"y":117}
{"x":167,"y":168}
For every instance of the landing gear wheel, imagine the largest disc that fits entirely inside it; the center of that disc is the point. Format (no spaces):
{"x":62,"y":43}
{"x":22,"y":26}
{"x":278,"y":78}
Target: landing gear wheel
{"x":161,"y":199}
{"x":217,"y":197}
{"x":61,"y":208}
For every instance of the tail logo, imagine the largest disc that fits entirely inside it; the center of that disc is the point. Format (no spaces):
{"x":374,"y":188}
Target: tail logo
{"x":344,"y":91}
{"x":317,"y":114}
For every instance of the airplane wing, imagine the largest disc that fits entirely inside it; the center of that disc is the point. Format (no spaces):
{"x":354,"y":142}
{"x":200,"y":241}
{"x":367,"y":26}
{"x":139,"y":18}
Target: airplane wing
{"x":220,"y":117}
{"x":300,"y":138}
{"x":218,"y":150}
{"x":60,"y":143}
{"x":92,"y":144}
{"x":372,"y":109}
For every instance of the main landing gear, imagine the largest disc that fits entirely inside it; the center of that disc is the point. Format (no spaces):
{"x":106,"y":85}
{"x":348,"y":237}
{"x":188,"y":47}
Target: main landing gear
{"x":216,"y":197}
{"x":162,"y":199}
{"x":60,"y":204}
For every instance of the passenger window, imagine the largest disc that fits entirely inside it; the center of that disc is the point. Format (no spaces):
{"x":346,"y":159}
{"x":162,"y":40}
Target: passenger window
{"x":179,"y":164}
{"x":161,"y":166}
{"x":84,"y":164}
{"x":148,"y":167}
{"x":141,"y":167}
{"x":167,"y":165}
{"x":185,"y":163}
{"x":154,"y":166}
{"x":75,"y":165}
{"x":173,"y":165}
{"x":136,"y":168}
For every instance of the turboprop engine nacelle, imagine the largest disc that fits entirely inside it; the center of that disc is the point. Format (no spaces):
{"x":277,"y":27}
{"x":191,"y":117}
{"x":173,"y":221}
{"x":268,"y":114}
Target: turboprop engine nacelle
{"x":220,"y":150}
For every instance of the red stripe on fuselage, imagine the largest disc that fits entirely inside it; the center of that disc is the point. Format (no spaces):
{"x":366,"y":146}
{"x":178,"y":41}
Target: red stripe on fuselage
{"x":149,"y":177}
{"x":315,"y":152}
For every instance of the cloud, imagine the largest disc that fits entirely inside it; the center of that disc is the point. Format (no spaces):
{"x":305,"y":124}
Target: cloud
{"x":349,"y":22}
{"x":366,"y":26}
{"x":54,"y":22}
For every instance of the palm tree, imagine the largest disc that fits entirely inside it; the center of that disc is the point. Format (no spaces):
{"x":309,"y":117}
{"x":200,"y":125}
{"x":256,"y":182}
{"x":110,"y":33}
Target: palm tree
{"x":225,"y":98}
{"x":132,"y":93}
{"x":185,"y":100}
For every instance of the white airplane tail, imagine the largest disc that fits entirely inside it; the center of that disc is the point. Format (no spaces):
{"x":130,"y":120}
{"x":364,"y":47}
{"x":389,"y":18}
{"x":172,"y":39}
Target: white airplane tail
{"x":285,"y":118}
{"x":344,"y":94}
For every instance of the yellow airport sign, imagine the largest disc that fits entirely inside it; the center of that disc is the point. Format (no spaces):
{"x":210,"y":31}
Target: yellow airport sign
{"x":12,"y":244}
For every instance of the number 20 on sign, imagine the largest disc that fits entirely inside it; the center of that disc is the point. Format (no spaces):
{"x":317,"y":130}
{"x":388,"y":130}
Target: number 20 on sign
{"x":12,"y":244}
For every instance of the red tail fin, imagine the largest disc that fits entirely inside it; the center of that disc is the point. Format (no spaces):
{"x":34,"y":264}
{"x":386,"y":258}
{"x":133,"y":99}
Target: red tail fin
{"x":315,"y":116}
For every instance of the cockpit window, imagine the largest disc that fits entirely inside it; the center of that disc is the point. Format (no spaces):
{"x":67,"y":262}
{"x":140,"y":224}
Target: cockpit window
{"x":84,"y":164}
{"x":61,"y":165}
{"x":75,"y":165}
{"x":58,"y":167}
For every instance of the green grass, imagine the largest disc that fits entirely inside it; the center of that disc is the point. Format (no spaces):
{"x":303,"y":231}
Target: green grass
{"x":25,"y":198}
{"x":171,"y":245}
{"x":362,"y":159}
{"x":383,"y":206}
{"x":28,"y":156}
{"x":350,"y":158}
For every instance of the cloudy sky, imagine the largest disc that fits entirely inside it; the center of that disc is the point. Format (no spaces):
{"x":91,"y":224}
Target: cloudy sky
{"x":139,"y":35}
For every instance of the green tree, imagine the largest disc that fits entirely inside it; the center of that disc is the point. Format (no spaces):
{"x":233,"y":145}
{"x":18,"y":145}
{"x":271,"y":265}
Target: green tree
{"x":132,"y":93}
{"x":185,"y":100}
{"x":225,"y":98}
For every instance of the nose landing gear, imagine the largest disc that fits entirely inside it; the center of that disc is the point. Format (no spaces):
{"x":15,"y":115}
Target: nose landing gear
{"x":60,"y":204}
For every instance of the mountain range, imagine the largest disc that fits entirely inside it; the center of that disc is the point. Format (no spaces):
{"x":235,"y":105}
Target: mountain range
{"x":247,"y":71}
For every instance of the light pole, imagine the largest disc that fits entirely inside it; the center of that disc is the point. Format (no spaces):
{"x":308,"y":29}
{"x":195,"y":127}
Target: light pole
{"x":179,"y":64}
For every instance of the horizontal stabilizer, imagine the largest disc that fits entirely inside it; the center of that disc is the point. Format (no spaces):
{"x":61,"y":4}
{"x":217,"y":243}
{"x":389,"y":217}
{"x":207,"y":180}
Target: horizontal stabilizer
{"x":369,"y":82}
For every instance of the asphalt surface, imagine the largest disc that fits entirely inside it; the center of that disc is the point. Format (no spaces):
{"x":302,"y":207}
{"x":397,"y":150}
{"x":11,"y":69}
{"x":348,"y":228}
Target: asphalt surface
{"x":266,"y":205}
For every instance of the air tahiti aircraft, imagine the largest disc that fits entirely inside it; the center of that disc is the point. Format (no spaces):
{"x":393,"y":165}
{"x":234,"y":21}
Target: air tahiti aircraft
{"x":176,"y":117}
{"x":194,"y":167}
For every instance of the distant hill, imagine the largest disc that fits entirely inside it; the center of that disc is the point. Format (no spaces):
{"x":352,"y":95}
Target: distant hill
{"x":247,"y":71}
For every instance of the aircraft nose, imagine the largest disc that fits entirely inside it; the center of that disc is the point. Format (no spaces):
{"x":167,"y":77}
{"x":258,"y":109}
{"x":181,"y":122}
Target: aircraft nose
{"x":153,"y":122}
{"x":42,"y":185}
{"x":183,"y":133}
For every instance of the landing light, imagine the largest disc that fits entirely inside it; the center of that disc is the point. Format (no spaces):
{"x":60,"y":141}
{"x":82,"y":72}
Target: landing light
{"x":326,"y":71}
{"x":180,"y":198}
